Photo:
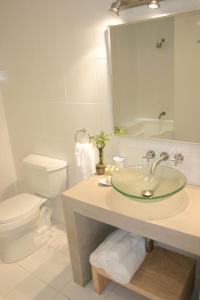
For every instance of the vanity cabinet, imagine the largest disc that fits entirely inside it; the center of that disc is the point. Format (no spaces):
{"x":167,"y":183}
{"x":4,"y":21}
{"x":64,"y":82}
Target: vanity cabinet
{"x":91,"y":212}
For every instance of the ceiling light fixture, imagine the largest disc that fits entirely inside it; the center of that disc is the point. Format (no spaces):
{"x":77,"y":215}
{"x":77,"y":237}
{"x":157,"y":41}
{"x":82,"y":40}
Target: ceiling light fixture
{"x":153,"y":4}
{"x":115,"y":7}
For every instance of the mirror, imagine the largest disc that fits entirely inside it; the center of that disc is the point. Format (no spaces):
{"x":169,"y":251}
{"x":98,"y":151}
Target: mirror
{"x":156,"y":77}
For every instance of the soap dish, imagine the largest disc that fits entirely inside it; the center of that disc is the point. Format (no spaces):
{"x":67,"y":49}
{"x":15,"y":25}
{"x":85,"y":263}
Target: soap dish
{"x":106,"y":181}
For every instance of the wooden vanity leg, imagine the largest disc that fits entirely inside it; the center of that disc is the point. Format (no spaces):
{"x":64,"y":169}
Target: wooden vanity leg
{"x":196,"y":290}
{"x":99,"y":282}
{"x":84,"y":236}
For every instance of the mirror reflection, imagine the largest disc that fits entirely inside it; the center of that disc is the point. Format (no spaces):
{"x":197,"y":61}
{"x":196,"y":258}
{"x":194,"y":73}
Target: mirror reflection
{"x":156,"y":77}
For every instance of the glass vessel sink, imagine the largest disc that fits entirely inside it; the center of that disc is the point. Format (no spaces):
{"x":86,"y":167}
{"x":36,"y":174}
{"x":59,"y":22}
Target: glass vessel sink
{"x":136,"y":182}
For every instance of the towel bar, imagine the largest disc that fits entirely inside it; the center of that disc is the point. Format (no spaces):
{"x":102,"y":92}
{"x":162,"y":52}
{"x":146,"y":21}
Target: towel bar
{"x":84,"y":130}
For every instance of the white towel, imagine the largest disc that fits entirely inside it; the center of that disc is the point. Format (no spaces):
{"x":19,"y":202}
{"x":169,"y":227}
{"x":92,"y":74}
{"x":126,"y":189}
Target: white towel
{"x":123,"y":270}
{"x":85,"y":157}
{"x":123,"y":247}
{"x":99,"y":257}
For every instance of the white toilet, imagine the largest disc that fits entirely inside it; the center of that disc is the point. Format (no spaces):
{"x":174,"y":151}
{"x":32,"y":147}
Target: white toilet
{"x":25,"y":219}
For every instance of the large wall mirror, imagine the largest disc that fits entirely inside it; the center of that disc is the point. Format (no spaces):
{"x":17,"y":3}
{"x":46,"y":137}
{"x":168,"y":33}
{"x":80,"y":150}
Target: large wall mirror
{"x":156,"y":77}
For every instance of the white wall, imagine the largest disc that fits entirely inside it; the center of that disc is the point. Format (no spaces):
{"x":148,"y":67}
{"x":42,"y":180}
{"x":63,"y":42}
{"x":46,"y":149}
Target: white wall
{"x":143,"y":75}
{"x":187,"y":74}
{"x":155,"y":68}
{"x":54,"y":54}
{"x":7,"y":170}
{"x":124,"y":72}
{"x":55,"y":57}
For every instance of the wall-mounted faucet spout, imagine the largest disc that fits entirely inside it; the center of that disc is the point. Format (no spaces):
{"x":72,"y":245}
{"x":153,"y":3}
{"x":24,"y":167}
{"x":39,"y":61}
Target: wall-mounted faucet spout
{"x":159,"y":44}
{"x":163,"y":157}
{"x":162,"y":115}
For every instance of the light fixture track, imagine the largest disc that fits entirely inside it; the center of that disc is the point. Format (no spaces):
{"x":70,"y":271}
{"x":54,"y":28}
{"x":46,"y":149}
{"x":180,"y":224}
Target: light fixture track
{"x":154,"y":4}
{"x":119,"y":5}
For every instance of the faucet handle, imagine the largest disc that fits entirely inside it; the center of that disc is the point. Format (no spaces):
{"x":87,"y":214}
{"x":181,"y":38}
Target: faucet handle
{"x":164,"y":155}
{"x":149,"y":155}
{"x":178,"y":158}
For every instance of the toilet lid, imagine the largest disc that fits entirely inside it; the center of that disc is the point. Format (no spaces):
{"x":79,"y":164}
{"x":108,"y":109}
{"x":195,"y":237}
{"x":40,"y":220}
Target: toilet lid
{"x":18,"y":206}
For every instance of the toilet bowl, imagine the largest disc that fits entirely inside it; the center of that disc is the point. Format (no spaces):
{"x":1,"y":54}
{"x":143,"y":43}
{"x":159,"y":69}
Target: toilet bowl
{"x":24,"y":226}
{"x":25,"y":219}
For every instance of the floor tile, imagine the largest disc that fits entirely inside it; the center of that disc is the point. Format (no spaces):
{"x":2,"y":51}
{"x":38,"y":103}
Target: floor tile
{"x":59,"y":239}
{"x":56,"y":274}
{"x":50,"y":264}
{"x":47,"y":275}
{"x":60,"y":297}
{"x":34,"y":261}
{"x":121,"y":293}
{"x":76,"y":292}
{"x":10,"y":276}
{"x":42,"y":256}
{"x":31,"y":288}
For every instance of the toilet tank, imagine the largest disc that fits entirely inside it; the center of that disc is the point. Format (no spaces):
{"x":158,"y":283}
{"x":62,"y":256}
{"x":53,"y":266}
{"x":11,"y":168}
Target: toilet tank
{"x":45,"y":176}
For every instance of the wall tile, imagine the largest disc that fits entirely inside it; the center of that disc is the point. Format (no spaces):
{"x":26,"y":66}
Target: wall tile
{"x":103,"y":82}
{"x":51,"y":82}
{"x":7,"y":169}
{"x":64,"y":119}
{"x":81,"y":81}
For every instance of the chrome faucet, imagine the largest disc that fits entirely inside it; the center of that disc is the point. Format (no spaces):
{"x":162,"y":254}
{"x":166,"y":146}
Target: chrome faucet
{"x":161,"y":115}
{"x":163,"y":157}
{"x":150,"y":154}
{"x":178,"y":158}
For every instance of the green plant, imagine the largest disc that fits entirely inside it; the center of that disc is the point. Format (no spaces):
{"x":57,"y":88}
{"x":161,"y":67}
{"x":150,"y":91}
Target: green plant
{"x":100,"y":141}
{"x":120,"y":130}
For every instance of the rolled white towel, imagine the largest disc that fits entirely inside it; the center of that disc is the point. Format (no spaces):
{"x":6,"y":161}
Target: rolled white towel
{"x":85,"y":158}
{"x":123,"y":247}
{"x":98,"y":258}
{"x":122,"y":271}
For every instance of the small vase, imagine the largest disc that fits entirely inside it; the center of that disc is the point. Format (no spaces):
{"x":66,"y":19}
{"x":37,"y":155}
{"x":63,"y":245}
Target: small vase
{"x":100,"y":169}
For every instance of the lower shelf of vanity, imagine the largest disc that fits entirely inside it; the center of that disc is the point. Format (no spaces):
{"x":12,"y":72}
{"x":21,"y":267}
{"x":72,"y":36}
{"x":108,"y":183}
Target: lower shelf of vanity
{"x":164,"y":275}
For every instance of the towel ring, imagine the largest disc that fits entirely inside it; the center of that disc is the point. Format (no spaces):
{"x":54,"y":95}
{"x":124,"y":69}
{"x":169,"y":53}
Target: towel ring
{"x":82,"y":131}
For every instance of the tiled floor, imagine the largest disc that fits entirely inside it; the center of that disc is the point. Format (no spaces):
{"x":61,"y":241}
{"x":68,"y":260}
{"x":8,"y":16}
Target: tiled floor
{"x":47,"y":275}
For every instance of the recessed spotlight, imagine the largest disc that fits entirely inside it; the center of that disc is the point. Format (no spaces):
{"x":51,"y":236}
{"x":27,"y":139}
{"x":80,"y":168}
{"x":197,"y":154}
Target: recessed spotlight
{"x":154,"y":4}
{"x":115,"y":7}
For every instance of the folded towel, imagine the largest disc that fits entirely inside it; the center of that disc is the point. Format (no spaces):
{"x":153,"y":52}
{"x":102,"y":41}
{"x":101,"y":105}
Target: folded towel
{"x":85,"y":157}
{"x":123,"y":270}
{"x":123,"y":247}
{"x":99,"y":257}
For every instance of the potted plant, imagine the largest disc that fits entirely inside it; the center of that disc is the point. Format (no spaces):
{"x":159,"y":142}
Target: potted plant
{"x":120,"y":130}
{"x":100,"y":141}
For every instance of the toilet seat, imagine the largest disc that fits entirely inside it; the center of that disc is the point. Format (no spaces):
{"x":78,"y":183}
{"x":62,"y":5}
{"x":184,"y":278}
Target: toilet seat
{"x":24,"y":226}
{"x":20,"y":207}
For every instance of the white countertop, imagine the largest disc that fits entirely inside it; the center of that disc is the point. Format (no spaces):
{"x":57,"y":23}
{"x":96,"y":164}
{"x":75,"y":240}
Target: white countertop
{"x":174,"y":221}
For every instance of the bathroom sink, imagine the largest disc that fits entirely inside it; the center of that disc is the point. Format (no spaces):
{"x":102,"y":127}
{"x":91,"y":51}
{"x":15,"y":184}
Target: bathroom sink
{"x":136,"y":182}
